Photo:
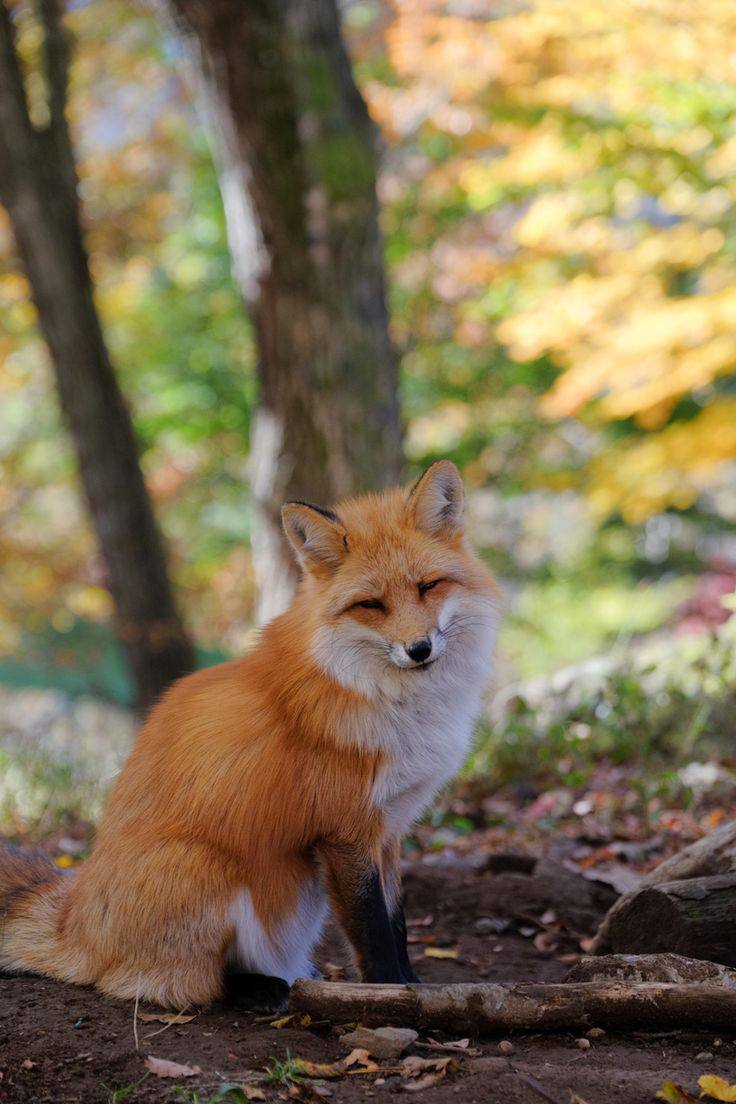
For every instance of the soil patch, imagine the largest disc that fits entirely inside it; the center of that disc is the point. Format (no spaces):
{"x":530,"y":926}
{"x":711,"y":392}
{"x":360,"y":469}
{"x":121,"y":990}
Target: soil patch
{"x":503,"y":922}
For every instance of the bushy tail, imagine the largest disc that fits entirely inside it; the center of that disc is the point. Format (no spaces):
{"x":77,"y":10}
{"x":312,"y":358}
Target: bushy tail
{"x":28,"y":887}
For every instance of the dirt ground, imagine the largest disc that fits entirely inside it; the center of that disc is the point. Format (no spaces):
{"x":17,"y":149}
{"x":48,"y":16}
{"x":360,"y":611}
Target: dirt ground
{"x":501,"y":918}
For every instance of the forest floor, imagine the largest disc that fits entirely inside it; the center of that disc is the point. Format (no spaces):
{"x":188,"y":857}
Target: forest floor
{"x":475,"y":912}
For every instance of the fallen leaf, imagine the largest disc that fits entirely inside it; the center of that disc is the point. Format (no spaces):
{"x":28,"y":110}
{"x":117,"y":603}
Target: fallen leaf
{"x":422,"y":1073}
{"x":164,"y":1017}
{"x":162,"y":1067}
{"x":414,"y":1065}
{"x":27,"y":1063}
{"x":459,"y":1044}
{"x":252,"y":1093}
{"x":283,"y":1021}
{"x":358,"y":1057}
{"x":318,"y":1069}
{"x":717,"y":1088}
{"x":424,"y":1082}
{"x":575,"y":1099}
{"x":546,"y":942}
{"x":441,"y":952}
{"x":674,"y":1094}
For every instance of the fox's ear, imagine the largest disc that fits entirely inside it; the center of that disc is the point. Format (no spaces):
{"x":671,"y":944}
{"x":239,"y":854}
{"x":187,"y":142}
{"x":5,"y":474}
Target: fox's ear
{"x":317,"y":536}
{"x":437,"y":500}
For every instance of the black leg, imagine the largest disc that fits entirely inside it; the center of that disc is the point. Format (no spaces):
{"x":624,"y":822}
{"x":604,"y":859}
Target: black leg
{"x":376,"y":942}
{"x":398,"y":926}
{"x":255,"y":992}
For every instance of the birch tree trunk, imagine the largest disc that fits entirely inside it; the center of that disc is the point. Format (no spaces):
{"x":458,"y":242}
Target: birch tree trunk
{"x":296,"y":156}
{"x":38,"y":187}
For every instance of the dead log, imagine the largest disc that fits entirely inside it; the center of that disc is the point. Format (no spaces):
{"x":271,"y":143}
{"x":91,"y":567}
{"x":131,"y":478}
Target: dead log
{"x":671,"y":968}
{"x":695,"y":917}
{"x":485,"y":1008}
{"x":713,"y":854}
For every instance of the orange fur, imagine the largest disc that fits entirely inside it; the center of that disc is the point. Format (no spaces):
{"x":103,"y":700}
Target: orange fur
{"x":258,"y":775}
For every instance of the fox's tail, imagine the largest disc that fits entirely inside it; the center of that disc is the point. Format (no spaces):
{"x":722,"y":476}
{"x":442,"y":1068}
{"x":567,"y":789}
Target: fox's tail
{"x":31,"y":892}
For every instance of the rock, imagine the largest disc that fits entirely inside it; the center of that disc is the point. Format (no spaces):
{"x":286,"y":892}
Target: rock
{"x":380,"y":1042}
{"x":491,"y":925}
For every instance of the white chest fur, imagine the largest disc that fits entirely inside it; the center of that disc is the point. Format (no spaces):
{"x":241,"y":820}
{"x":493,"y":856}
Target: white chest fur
{"x":426,"y":741}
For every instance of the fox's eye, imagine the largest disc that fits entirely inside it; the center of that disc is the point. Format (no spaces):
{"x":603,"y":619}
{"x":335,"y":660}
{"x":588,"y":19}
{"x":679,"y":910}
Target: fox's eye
{"x":424,"y":587}
{"x":368,"y":603}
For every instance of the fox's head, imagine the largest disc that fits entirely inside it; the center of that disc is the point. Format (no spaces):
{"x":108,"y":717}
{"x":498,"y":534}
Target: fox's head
{"x":395,"y":594}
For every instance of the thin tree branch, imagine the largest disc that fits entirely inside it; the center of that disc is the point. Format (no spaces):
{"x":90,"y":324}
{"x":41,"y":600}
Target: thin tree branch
{"x":17,"y":135}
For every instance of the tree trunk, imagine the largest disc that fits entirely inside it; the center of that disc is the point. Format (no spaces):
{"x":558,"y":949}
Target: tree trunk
{"x":713,"y":854}
{"x":296,"y":155}
{"x":488,"y":1007}
{"x":695,"y":917}
{"x":38,"y":186}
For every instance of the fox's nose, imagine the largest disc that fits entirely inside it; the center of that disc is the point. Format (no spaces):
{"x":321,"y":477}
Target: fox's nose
{"x":419,"y":650}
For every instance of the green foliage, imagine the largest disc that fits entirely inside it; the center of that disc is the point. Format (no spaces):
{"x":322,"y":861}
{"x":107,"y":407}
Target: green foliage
{"x":656,"y":707}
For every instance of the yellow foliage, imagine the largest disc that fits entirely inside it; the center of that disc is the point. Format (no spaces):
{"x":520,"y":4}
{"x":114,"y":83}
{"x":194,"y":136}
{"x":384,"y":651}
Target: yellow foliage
{"x":717,"y":1088}
{"x":665,"y":469}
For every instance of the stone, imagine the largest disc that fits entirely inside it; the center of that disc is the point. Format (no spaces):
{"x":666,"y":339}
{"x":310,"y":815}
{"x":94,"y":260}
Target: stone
{"x":380,"y":1042}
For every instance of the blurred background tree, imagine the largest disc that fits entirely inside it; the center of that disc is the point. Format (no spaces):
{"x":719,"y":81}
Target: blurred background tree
{"x":295,"y":152}
{"x":38,"y":187}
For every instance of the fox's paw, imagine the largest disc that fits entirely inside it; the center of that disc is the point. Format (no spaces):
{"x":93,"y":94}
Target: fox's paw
{"x":255,"y":993}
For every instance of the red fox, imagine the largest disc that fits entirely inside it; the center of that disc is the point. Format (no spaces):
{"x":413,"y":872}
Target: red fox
{"x":265,"y":790}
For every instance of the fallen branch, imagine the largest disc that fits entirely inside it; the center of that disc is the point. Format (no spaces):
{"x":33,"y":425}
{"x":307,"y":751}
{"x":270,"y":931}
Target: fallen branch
{"x":669,"y":968}
{"x":713,"y":854}
{"x":693,"y":917}
{"x":484,"y":1008}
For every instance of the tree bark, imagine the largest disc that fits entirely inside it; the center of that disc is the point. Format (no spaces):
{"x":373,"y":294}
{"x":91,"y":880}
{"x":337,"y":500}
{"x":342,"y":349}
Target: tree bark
{"x":651,"y":967}
{"x":38,"y":187}
{"x":296,"y":155}
{"x":695,"y":917}
{"x":484,"y":1008}
{"x":713,"y":854}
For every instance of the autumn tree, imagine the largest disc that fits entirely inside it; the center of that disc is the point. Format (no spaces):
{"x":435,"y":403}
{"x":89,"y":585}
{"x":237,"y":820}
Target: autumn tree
{"x":38,"y":187}
{"x":296,"y":157}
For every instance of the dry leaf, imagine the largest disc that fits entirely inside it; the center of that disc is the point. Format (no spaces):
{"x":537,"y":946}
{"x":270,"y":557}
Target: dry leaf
{"x":441,"y":952}
{"x":162,"y":1067}
{"x":27,"y":1063}
{"x":252,"y":1093}
{"x":717,"y":1088}
{"x":165,"y":1017}
{"x":674,"y":1094}
{"x":283,"y":1021}
{"x":358,"y":1057}
{"x":546,"y":942}
{"x":424,"y":1082}
{"x":414,"y":1065}
{"x":460,"y":1044}
{"x":575,"y":1099}
{"x":318,"y":1069}
{"x":425,"y":1071}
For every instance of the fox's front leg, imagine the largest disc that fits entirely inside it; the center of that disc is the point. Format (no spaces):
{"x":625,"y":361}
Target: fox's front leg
{"x":394,"y":901}
{"x":356,"y":889}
